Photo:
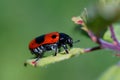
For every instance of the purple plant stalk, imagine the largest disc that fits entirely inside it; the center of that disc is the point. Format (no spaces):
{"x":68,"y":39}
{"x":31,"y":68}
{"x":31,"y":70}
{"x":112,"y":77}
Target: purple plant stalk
{"x":102,"y":43}
{"x":115,"y":41}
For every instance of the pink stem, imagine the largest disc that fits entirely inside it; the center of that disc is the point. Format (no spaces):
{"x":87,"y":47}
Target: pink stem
{"x":116,"y":42}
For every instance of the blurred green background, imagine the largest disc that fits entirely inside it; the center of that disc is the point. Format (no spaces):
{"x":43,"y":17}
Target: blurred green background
{"x":22,"y":20}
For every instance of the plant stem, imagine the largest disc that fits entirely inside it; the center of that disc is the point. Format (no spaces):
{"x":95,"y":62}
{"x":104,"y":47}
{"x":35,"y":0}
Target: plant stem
{"x":108,"y":45}
{"x":115,"y":41}
{"x":102,"y":43}
{"x":92,"y":49}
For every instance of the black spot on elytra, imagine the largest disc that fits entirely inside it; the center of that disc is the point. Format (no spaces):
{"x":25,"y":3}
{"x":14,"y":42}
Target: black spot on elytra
{"x":54,"y":36}
{"x":40,"y":39}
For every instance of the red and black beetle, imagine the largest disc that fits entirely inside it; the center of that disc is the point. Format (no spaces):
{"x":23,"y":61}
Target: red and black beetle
{"x":51,"y":41}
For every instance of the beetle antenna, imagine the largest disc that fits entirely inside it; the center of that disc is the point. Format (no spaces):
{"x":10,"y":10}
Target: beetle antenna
{"x":76,"y":41}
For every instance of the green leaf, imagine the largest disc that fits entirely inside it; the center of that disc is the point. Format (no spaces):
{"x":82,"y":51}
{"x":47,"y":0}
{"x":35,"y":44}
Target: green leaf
{"x":113,"y":73}
{"x":107,"y":35}
{"x":53,"y":59}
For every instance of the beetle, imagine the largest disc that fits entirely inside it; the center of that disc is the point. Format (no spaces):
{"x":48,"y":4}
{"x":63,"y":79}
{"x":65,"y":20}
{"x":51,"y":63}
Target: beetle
{"x":50,"y":41}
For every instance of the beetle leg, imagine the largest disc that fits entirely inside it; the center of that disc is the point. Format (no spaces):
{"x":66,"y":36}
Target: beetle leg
{"x":66,"y":49}
{"x":56,"y":51}
{"x":37,"y":58}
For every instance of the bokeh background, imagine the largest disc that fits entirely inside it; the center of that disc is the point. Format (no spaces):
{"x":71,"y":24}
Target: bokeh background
{"x":22,"y":20}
